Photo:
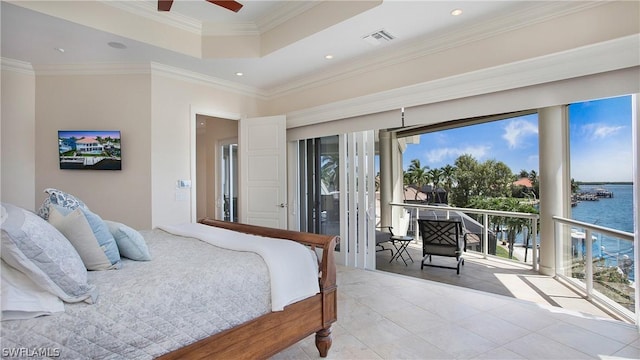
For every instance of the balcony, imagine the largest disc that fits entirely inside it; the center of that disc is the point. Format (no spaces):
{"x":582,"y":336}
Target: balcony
{"x":578,"y":285}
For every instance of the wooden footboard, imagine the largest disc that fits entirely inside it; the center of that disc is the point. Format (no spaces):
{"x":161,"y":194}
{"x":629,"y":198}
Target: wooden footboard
{"x":274,"y":332}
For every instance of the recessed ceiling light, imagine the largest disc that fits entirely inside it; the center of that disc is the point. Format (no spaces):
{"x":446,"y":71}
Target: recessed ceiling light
{"x":456,"y":12}
{"x":59,"y":50}
{"x":328,"y":57}
{"x":239,"y":73}
{"x":117,"y":45}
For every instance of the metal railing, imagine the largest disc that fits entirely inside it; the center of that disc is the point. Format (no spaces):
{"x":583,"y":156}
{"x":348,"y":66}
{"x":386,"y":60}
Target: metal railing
{"x":605,"y":276}
{"x":485,"y":222}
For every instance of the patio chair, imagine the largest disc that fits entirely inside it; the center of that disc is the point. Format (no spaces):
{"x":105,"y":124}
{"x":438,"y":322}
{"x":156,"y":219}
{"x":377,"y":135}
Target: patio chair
{"x":383,"y":237}
{"x":442,"y":238}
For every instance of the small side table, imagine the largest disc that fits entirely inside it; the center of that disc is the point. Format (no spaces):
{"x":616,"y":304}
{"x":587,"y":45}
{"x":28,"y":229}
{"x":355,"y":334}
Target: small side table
{"x":403,"y":242}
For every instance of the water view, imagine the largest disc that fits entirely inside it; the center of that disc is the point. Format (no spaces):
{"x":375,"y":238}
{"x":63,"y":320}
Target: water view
{"x":615,"y":213}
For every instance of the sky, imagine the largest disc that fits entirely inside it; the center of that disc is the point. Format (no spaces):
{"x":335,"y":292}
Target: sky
{"x":600,"y":142}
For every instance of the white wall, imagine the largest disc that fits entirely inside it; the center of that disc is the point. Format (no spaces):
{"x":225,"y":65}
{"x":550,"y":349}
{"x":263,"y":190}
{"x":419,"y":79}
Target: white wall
{"x":17,"y":128}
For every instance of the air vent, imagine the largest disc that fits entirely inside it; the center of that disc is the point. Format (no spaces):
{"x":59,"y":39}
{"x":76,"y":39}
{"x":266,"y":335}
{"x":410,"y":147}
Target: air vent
{"x":378,"y":37}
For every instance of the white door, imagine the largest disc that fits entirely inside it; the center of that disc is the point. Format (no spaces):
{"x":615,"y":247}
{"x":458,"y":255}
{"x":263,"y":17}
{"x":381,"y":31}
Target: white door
{"x":263,"y":171}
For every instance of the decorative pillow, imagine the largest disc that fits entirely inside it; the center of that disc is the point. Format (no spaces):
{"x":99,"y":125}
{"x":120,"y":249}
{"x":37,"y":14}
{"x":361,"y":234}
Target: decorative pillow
{"x":60,"y":198}
{"x":89,"y":235}
{"x":38,"y":250}
{"x":23,"y":299}
{"x":130,"y":242}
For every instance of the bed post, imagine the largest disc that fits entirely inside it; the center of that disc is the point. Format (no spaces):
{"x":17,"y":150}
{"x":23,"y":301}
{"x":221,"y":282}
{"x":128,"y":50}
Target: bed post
{"x":328,"y":288}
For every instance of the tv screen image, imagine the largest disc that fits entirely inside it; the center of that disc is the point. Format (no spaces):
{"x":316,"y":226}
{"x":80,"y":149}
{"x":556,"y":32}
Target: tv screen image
{"x":89,"y":149}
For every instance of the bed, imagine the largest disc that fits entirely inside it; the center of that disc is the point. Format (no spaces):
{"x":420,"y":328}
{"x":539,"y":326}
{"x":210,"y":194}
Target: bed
{"x":176,"y":307}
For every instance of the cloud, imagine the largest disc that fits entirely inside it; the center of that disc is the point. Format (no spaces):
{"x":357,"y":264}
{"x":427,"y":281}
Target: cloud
{"x":600,"y":131}
{"x":516,"y":130}
{"x":452,"y":153}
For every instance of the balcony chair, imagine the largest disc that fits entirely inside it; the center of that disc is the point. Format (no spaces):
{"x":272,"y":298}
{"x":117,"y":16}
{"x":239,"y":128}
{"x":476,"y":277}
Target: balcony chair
{"x":442,"y":238}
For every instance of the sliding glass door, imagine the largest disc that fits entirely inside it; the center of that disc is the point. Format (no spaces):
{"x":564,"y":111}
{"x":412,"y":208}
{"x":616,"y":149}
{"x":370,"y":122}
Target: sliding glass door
{"x":319,"y":164}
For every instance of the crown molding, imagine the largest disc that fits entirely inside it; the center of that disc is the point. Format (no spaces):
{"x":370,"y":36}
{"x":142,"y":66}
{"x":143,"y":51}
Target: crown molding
{"x":147,"y":10}
{"x":284,"y":13}
{"x":582,"y":61}
{"x":16,"y":66}
{"x":200,"y":79}
{"x":269,"y":21}
{"x":538,"y":12}
{"x":130,"y":69}
{"x":93,"y":69}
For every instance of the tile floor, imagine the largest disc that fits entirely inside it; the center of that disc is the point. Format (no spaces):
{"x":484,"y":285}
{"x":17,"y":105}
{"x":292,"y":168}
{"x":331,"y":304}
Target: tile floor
{"x":382,"y":315}
{"x":495,"y":276}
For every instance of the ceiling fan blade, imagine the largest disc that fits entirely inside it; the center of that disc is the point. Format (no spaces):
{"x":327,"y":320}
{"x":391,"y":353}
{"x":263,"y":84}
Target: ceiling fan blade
{"x":228,"y":4}
{"x":164,"y":5}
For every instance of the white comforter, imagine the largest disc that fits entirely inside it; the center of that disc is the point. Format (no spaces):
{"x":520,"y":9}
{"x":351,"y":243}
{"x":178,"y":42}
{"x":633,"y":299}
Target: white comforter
{"x":293,"y":268}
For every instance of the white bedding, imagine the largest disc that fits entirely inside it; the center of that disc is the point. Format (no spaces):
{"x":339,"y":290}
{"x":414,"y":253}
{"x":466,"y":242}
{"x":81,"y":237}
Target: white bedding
{"x":293,"y":269}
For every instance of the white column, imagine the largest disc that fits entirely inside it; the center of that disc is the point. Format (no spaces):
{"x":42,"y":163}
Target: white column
{"x":386,"y":177}
{"x":555,"y":180}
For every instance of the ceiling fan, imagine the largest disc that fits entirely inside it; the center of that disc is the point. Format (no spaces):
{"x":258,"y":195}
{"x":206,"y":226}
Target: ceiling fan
{"x":165,"y":5}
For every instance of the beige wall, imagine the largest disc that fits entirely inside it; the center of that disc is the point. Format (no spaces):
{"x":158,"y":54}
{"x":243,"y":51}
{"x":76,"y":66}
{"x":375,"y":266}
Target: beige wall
{"x":17,"y":128}
{"x":98,"y":102}
{"x":173,"y":129}
{"x":154,"y":115}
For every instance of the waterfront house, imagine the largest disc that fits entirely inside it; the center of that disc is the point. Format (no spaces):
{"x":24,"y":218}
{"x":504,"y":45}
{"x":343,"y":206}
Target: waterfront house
{"x":89,"y":145}
{"x":531,"y":57}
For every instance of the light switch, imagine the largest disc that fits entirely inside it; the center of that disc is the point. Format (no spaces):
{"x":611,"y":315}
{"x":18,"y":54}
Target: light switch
{"x":184,"y":184}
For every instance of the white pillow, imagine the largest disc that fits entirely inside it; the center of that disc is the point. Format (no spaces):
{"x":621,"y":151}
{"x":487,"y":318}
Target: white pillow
{"x":38,"y":250}
{"x":23,"y":299}
{"x":131,"y":243}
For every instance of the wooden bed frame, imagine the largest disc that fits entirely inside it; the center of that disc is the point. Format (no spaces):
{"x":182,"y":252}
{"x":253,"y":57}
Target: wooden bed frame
{"x":271,"y":333}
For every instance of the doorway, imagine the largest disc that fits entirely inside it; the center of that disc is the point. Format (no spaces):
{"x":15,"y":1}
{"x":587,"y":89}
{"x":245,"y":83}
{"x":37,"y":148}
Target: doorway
{"x":216,"y":171}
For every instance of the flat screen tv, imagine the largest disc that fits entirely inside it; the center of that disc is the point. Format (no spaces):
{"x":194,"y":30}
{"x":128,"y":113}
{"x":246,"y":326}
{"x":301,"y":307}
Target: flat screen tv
{"x":89,"y":149}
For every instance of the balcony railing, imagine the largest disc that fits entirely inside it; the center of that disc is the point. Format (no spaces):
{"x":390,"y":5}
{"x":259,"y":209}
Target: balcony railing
{"x":599,"y":261}
{"x":481,"y":225}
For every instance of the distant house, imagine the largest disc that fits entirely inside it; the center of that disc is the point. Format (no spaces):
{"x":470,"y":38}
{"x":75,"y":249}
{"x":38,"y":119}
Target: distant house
{"x":435,"y":195}
{"x":523,"y":182}
{"x":89,"y":145}
{"x":412,"y":194}
{"x":425,"y":195}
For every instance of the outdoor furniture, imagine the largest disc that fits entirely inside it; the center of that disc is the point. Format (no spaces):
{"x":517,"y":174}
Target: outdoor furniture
{"x":381,"y":238}
{"x":399,"y":242}
{"x":442,"y":238}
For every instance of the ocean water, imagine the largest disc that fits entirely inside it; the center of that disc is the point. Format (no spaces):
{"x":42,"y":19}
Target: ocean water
{"x":615,"y":213}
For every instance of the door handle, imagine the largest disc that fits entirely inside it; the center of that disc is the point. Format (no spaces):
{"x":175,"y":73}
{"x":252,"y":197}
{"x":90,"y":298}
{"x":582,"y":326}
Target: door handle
{"x":282,"y":205}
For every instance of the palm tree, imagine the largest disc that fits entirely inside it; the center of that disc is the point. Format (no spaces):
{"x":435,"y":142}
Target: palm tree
{"x":436,"y":176}
{"x":329,"y":171}
{"x":418,"y":173}
{"x":448,"y":172}
{"x":523,"y":174}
